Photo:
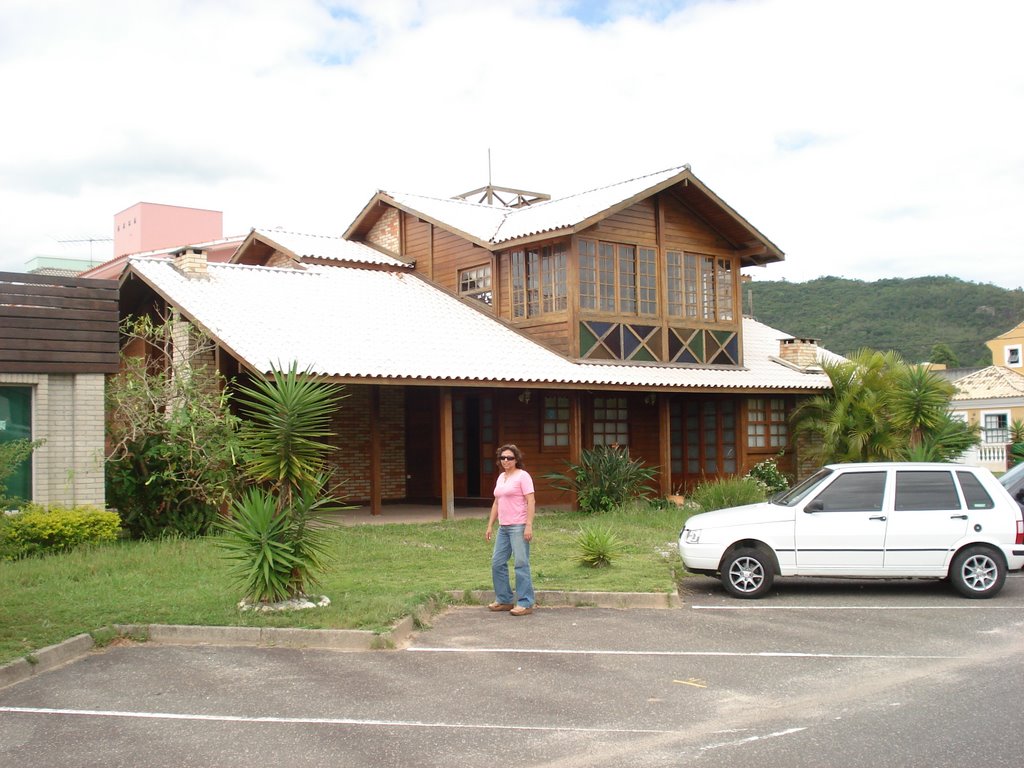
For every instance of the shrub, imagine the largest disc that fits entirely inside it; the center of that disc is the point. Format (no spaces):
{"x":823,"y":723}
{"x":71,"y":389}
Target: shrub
{"x":597,"y":545}
{"x":605,"y":478}
{"x":172,"y":435}
{"x":37,"y":530}
{"x":727,"y":492}
{"x":767,"y":473}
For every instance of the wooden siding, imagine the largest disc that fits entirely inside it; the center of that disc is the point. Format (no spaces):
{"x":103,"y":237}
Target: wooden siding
{"x":51,"y":324}
{"x":416,"y":242}
{"x":635,"y":224}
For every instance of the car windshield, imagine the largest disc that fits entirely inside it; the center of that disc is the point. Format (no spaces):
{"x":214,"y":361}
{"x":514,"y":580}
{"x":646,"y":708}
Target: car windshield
{"x":794,"y":495}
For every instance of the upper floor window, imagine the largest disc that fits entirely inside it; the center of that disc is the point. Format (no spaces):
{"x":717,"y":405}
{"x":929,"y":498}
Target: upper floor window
{"x":699,"y":287}
{"x":538,"y":280}
{"x":475,"y":283}
{"x":1013,"y":358}
{"x":618,"y":278}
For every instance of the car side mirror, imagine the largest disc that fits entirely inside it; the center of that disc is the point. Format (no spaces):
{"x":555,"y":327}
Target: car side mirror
{"x":815,"y":506}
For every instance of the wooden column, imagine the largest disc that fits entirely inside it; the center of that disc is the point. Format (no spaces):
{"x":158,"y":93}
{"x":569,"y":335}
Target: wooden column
{"x":665,"y":443}
{"x":447,"y":455}
{"x":376,"y":481}
{"x":575,"y":433}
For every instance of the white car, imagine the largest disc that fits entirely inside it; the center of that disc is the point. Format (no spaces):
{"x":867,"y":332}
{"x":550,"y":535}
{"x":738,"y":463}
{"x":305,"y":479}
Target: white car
{"x":876,"y":520}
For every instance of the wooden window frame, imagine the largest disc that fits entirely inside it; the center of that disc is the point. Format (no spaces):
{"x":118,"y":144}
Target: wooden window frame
{"x":767,"y":421}
{"x":475,"y":284}
{"x":611,"y":420}
{"x":618,"y":278}
{"x":539,"y":280}
{"x":556,"y":418}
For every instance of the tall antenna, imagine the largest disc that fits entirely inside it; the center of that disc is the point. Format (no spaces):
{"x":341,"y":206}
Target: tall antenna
{"x":513,"y":198}
{"x":90,"y":241}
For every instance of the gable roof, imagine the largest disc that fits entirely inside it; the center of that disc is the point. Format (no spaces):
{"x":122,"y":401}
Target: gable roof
{"x":305,"y":247}
{"x":374,"y":325}
{"x":493,"y":227}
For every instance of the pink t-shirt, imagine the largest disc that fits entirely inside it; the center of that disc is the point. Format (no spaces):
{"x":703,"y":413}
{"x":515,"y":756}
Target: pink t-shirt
{"x":510,"y":493}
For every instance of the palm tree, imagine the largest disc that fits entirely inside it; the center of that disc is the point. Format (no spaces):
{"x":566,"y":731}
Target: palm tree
{"x":881,"y":409}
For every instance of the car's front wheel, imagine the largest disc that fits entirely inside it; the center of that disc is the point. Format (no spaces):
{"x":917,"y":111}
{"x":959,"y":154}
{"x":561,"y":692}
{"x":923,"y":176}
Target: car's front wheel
{"x":747,"y":573}
{"x":977,"y":572}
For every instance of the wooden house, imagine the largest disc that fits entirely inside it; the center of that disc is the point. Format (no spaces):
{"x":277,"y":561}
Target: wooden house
{"x":610,"y":317}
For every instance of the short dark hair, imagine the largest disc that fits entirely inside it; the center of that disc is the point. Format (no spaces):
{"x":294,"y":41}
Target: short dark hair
{"x":514,"y":451}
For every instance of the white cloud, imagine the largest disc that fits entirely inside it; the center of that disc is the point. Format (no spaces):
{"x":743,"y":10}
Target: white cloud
{"x":867,"y":139}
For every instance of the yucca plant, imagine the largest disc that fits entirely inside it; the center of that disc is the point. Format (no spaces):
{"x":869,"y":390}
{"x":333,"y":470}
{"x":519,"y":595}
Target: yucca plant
{"x":604,"y":479}
{"x":597,"y":546}
{"x":271,"y":537}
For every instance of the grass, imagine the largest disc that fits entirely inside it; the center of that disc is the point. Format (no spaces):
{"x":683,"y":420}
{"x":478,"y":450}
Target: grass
{"x":380,"y":574}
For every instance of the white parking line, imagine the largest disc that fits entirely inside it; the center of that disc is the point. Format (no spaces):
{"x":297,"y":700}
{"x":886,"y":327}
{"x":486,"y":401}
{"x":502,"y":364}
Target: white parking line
{"x":757,"y":654}
{"x":318,"y":721}
{"x":846,"y":607}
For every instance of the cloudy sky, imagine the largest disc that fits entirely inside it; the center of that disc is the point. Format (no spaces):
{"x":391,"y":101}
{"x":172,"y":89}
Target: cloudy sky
{"x":867,"y":139}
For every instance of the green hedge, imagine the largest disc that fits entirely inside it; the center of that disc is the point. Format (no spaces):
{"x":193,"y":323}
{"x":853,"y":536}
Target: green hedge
{"x":37,"y":530}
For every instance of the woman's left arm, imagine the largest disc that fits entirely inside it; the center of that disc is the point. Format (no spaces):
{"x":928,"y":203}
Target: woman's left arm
{"x":530,"y":508}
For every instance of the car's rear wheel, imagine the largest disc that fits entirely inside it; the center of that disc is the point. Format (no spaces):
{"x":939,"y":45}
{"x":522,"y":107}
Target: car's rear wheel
{"x":977,"y":572}
{"x":747,"y":573}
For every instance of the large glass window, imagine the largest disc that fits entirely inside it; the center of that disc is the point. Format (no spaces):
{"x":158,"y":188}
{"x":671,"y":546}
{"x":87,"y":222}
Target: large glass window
{"x":703,"y":436}
{"x":618,"y":278}
{"x":538,"y":280}
{"x":16,"y":424}
{"x":699,"y":286}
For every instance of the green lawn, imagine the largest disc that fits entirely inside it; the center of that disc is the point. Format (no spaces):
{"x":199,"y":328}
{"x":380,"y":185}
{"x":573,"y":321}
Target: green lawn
{"x":380,"y":574}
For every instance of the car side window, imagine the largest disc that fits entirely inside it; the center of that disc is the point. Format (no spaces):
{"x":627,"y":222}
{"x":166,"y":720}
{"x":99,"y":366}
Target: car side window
{"x":854,"y":492}
{"x":925,"y":490}
{"x":974,"y":494}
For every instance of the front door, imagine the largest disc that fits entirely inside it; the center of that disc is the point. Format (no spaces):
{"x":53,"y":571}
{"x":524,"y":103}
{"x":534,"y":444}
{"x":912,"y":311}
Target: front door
{"x":473,"y":445}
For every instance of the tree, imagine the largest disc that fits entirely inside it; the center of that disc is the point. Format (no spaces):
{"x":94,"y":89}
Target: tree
{"x":271,"y":535}
{"x":173,"y":444}
{"x":881,"y":409}
{"x":941,"y":353}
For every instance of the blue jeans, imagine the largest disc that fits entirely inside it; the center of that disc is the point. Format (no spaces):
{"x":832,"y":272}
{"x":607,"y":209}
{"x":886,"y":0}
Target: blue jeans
{"x":510,"y":543}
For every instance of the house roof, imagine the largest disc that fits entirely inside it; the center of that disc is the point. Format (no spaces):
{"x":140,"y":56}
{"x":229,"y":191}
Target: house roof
{"x":989,"y":383}
{"x":320,"y":247}
{"x":216,"y":250}
{"x":492,"y":227}
{"x":353,"y":323}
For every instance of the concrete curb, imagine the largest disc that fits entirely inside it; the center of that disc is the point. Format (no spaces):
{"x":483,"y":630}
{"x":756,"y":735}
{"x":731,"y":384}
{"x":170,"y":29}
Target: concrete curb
{"x":398,"y":636}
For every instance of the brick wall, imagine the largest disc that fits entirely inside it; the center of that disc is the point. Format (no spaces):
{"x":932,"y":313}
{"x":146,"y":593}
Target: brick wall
{"x":67,"y":411}
{"x":387,"y":233}
{"x":351,"y":459}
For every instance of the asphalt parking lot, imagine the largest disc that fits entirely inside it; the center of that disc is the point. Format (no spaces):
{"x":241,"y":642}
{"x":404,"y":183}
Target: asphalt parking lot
{"x":821,"y":673}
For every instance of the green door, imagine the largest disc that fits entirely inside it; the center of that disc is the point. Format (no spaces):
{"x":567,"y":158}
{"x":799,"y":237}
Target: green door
{"x":16,"y":424}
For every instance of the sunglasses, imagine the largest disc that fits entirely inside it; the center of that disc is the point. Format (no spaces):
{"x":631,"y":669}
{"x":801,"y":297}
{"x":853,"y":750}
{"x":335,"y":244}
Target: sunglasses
{"x":507,"y":458}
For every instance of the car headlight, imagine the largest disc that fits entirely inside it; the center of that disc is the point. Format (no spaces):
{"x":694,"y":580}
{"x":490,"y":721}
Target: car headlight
{"x":691,"y":536}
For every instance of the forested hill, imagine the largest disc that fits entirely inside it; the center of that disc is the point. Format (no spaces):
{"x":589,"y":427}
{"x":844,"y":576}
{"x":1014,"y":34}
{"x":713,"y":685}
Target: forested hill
{"x":911,"y":315}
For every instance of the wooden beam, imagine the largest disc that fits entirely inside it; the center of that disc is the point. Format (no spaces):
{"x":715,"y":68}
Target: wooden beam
{"x":665,"y":444}
{"x":575,"y":433}
{"x":375,"y":452}
{"x":447,"y":455}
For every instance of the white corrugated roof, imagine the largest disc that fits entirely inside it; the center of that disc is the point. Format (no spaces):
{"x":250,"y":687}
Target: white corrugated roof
{"x":372,"y":323}
{"x":493,"y":224}
{"x":326,"y":247}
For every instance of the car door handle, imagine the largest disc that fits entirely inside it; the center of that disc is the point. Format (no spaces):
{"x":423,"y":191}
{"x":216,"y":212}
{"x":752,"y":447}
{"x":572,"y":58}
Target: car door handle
{"x":958,"y":517}
{"x":877,"y":517}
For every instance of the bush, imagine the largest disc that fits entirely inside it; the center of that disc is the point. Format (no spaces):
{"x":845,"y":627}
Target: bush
{"x":37,"y":530}
{"x":597,"y":545}
{"x":727,"y":492}
{"x":605,"y":478}
{"x":767,"y":473}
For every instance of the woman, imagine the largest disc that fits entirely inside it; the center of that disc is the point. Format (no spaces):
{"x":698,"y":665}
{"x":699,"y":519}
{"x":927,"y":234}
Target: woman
{"x":513,"y":508}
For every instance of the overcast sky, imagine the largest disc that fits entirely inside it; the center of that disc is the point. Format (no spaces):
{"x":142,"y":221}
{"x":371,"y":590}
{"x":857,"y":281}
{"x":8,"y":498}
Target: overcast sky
{"x":867,"y":139}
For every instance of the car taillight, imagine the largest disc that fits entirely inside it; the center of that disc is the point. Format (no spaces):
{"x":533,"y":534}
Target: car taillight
{"x":1020,"y":531}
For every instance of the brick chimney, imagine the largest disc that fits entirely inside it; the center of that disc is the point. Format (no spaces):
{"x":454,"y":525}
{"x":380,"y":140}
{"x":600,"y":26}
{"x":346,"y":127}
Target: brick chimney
{"x":190,"y":261}
{"x":803,"y":353}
